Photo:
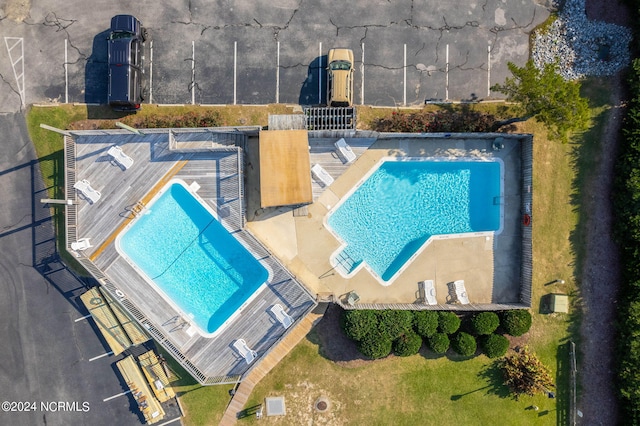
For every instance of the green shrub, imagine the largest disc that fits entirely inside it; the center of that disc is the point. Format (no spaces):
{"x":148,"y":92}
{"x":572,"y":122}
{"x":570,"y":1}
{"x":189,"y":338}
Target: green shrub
{"x":358,"y":323}
{"x":448,"y":322}
{"x":425,"y":323}
{"x":408,"y":344}
{"x":494,"y":345}
{"x":375,"y":345}
{"x":516,"y":322}
{"x":395,"y":322}
{"x":485,"y":323}
{"x":464,"y":344}
{"x":462,"y":119}
{"x":439,"y":343}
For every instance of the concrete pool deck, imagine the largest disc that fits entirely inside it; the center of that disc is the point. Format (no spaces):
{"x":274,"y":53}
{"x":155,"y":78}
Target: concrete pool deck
{"x":490,"y":266}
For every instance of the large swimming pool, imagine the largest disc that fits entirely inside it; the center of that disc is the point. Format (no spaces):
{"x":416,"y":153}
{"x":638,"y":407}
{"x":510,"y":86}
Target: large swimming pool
{"x":180,"y":248}
{"x":403,"y":203}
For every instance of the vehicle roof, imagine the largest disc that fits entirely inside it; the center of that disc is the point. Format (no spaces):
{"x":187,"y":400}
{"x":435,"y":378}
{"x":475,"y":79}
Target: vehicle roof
{"x":127,"y":23}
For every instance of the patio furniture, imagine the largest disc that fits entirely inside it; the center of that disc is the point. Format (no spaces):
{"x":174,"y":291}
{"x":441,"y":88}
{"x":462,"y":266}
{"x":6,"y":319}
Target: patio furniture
{"x":353,"y":298}
{"x":245,"y":351}
{"x":84,"y":188}
{"x":461,"y":292}
{"x":120,"y":157}
{"x":81,"y":244}
{"x":345,"y":150}
{"x":283,"y":318}
{"x":427,"y":292}
{"x":321,"y":174}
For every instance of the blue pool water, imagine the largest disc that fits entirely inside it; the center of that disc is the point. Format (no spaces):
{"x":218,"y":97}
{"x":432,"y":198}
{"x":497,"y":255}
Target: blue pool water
{"x":390,"y":216}
{"x":192,"y":258}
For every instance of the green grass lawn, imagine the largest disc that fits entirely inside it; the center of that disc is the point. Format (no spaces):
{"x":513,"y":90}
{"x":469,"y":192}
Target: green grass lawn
{"x":422,"y":389}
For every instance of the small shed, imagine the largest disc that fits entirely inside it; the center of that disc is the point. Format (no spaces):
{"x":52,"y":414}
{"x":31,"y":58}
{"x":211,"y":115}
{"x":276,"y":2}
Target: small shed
{"x":559,"y":303}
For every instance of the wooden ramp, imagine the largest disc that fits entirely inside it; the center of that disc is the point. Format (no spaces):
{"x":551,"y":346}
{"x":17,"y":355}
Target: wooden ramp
{"x":148,"y":404}
{"x":154,"y":373}
{"x":107,"y":322}
{"x":266,"y":364}
{"x":134,"y":331}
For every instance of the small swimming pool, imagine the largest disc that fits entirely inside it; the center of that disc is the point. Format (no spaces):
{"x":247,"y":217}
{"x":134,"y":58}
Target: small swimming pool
{"x":404,"y":202}
{"x":182,"y":250}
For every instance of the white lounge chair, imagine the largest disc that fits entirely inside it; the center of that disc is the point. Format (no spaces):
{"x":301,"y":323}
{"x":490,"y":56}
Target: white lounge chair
{"x":283,"y":318}
{"x":247,"y":353}
{"x":353,"y":298}
{"x":120,"y":157}
{"x":84,"y":187}
{"x":345,"y":151}
{"x":428,"y":292}
{"x":321,"y":174}
{"x":81,"y":244}
{"x":461,"y":292}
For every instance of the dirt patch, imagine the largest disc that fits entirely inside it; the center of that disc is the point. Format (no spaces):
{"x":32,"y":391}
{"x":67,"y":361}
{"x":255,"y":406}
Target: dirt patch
{"x":334,"y":345}
{"x":17,"y":10}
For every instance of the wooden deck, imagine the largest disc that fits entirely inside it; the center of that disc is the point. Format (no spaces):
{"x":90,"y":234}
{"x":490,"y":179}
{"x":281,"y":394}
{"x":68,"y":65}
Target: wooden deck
{"x":266,"y":364}
{"x":219,"y":175}
{"x":322,"y":151}
{"x":148,"y":404}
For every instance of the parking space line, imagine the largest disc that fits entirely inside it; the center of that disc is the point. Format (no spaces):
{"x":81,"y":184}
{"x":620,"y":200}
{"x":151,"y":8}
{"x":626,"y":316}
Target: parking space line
{"x":83,"y":318}
{"x":235,"y":75}
{"x":193,"y":72}
{"x":170,"y":421}
{"x":320,"y":73}
{"x":362,"y":77}
{"x":116,"y":396}
{"x":151,"y":72}
{"x":404,"y":84}
{"x":100,"y":356}
{"x":489,"y":69}
{"x":446,"y":76}
{"x":278,"y":72}
{"x":66,"y":72}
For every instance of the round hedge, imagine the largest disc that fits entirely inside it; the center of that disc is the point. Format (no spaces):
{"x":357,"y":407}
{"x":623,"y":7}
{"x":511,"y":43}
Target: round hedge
{"x":464,"y":344}
{"x":485,"y":323}
{"x":494,"y":345}
{"x":448,"y":322}
{"x":439,"y":343}
{"x":425,"y":323}
{"x":395,"y":323}
{"x":358,"y":323}
{"x":516,"y":322}
{"x":375,"y":345}
{"x":408,"y":344}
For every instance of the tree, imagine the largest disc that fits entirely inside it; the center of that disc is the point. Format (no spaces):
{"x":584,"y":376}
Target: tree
{"x":375,"y":345}
{"x":494,"y":345}
{"x":524,"y":373}
{"x":485,"y":323}
{"x":464,"y":344}
{"x":439,"y":343}
{"x":395,"y":322}
{"x":547,"y":96}
{"x":358,"y":323}
{"x":408,"y":344}
{"x":425,"y":323}
{"x":516,"y":322}
{"x":448,"y":322}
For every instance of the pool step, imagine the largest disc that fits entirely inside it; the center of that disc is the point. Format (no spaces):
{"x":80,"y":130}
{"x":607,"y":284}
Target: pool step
{"x":345,"y":262}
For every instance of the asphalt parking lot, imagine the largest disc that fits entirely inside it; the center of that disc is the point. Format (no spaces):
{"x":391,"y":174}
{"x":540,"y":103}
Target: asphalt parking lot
{"x":224,"y":52}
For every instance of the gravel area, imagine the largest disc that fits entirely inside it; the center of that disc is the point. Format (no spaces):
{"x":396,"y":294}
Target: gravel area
{"x":584,"y":47}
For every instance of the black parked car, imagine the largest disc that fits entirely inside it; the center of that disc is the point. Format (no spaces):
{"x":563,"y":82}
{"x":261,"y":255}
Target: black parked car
{"x":126,"y":43}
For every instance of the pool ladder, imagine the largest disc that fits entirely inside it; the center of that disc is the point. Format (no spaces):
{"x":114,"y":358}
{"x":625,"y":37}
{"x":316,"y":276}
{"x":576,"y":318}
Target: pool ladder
{"x":137,"y":208}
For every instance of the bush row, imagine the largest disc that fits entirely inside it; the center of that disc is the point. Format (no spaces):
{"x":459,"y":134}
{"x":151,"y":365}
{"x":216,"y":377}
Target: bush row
{"x":453,"y":120}
{"x":627,"y":232}
{"x":378,"y":333}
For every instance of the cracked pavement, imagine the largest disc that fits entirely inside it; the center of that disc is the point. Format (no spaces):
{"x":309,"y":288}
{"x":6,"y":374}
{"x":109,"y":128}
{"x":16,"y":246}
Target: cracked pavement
{"x":376,"y":30}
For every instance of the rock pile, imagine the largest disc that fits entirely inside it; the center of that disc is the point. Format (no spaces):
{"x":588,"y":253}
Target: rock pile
{"x":581,"y":47}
